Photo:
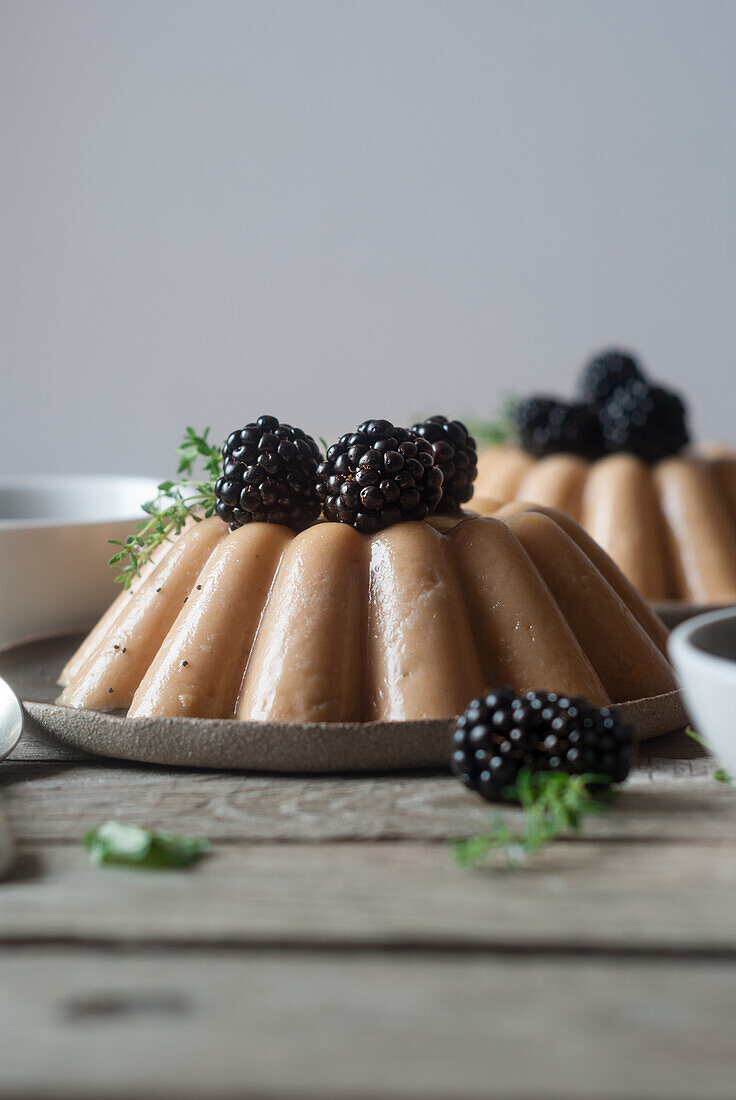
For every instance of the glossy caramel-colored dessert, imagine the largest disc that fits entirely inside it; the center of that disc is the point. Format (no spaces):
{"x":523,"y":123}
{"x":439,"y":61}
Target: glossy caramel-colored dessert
{"x":669,"y":526}
{"x":331,"y":625}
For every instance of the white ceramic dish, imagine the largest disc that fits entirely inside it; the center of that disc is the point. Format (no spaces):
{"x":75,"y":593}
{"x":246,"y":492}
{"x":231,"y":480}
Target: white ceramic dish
{"x":54,"y":548}
{"x":703,"y":651}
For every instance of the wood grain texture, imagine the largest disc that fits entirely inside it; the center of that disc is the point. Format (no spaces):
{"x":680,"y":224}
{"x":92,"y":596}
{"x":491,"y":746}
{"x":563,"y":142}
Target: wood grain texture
{"x":304,"y":1027}
{"x":329,"y":947}
{"x":586,"y":896}
{"x":674,"y":800}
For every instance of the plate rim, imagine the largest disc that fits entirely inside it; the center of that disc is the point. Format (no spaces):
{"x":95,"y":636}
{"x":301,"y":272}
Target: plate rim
{"x":288,"y":747}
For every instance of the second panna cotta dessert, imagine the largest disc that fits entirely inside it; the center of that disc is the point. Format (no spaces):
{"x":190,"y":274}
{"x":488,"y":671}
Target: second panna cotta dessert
{"x":292,"y":586}
{"x":619,"y":461}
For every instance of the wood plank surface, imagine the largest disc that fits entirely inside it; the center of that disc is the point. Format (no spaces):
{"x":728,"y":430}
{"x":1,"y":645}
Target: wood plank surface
{"x":328,"y":947}
{"x":36,"y":745}
{"x":107,"y":1025}
{"x":625,"y":898}
{"x":674,"y":800}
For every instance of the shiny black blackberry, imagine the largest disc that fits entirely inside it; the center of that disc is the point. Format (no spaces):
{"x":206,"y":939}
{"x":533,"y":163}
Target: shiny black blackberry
{"x":531,"y":418}
{"x":502,"y":732}
{"x":269,"y":475}
{"x":647,"y":421}
{"x":606,"y":373}
{"x":547,"y":426}
{"x":456,"y":455}
{"x":379,"y":475}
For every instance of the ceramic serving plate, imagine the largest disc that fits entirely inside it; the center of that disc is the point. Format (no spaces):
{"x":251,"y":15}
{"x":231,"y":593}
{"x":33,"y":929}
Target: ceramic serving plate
{"x":54,"y":548}
{"x":31,"y":669}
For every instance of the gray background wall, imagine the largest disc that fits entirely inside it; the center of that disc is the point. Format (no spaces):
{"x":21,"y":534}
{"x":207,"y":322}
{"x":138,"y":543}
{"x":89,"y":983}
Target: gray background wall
{"x":332,"y":209}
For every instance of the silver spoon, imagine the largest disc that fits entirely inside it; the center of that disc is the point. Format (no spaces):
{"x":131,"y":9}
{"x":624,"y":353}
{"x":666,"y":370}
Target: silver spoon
{"x":11,"y":727}
{"x":11,"y":720}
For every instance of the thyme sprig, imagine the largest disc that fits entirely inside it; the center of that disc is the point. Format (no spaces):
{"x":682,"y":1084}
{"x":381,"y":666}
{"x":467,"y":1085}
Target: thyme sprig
{"x":179,"y":499}
{"x":553,"y":804}
{"x":720,"y":774}
{"x":499,"y":430}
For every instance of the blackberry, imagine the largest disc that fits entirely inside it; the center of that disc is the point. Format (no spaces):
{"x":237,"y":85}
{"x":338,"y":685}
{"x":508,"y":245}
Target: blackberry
{"x":456,"y":455}
{"x":648,"y":421}
{"x":268,"y":475}
{"x":379,"y":475}
{"x":502,"y":732}
{"x":606,"y":373}
{"x":531,"y":418}
{"x":546,"y":426}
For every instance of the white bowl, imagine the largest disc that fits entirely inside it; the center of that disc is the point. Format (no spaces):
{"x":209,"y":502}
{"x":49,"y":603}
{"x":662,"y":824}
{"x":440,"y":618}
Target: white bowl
{"x":54,"y":548}
{"x":703,"y":651}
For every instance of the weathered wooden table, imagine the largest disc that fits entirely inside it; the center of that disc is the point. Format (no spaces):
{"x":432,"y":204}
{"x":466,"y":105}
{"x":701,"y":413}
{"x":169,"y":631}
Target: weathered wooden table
{"x":329,"y":947}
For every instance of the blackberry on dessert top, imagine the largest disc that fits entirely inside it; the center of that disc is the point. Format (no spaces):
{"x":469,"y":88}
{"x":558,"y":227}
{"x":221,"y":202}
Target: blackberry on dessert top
{"x":378,"y":476}
{"x":545,"y":425}
{"x":605,"y":373}
{"x":502,"y":732}
{"x":620,"y":411}
{"x":268,"y":475}
{"x":647,"y":421}
{"x":456,"y":455}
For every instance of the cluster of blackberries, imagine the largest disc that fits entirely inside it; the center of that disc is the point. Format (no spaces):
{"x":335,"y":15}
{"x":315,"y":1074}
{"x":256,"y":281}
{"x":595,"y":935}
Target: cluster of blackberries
{"x":502,"y":732}
{"x":619,"y":410}
{"x":371,"y":478}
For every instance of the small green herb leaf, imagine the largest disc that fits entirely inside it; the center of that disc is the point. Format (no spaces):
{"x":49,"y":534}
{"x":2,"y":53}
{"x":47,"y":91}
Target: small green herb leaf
{"x":177,"y":501}
{"x":553,"y":803}
{"x":720,"y":774}
{"x":196,"y":447}
{"x":696,"y":737}
{"x":500,"y":430}
{"x":132,"y":846}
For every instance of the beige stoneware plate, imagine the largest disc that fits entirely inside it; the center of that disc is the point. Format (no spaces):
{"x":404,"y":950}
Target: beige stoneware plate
{"x":31,"y":669}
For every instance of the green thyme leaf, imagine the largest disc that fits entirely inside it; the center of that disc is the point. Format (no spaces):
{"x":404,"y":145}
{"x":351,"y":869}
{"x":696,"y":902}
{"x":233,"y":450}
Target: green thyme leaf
{"x":720,"y":774}
{"x":696,"y":737}
{"x":553,"y":804}
{"x":196,"y":447}
{"x":132,"y":846}
{"x":499,"y":430}
{"x":177,"y":501}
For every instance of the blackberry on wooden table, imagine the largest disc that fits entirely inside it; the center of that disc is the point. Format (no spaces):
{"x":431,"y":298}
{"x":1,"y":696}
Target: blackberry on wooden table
{"x":502,"y":732}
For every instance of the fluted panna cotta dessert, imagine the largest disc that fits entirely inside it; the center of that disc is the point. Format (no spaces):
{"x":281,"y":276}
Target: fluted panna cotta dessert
{"x":332,"y":625}
{"x":671,"y":527}
{"x":664,"y":512}
{"x":393,"y":604}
